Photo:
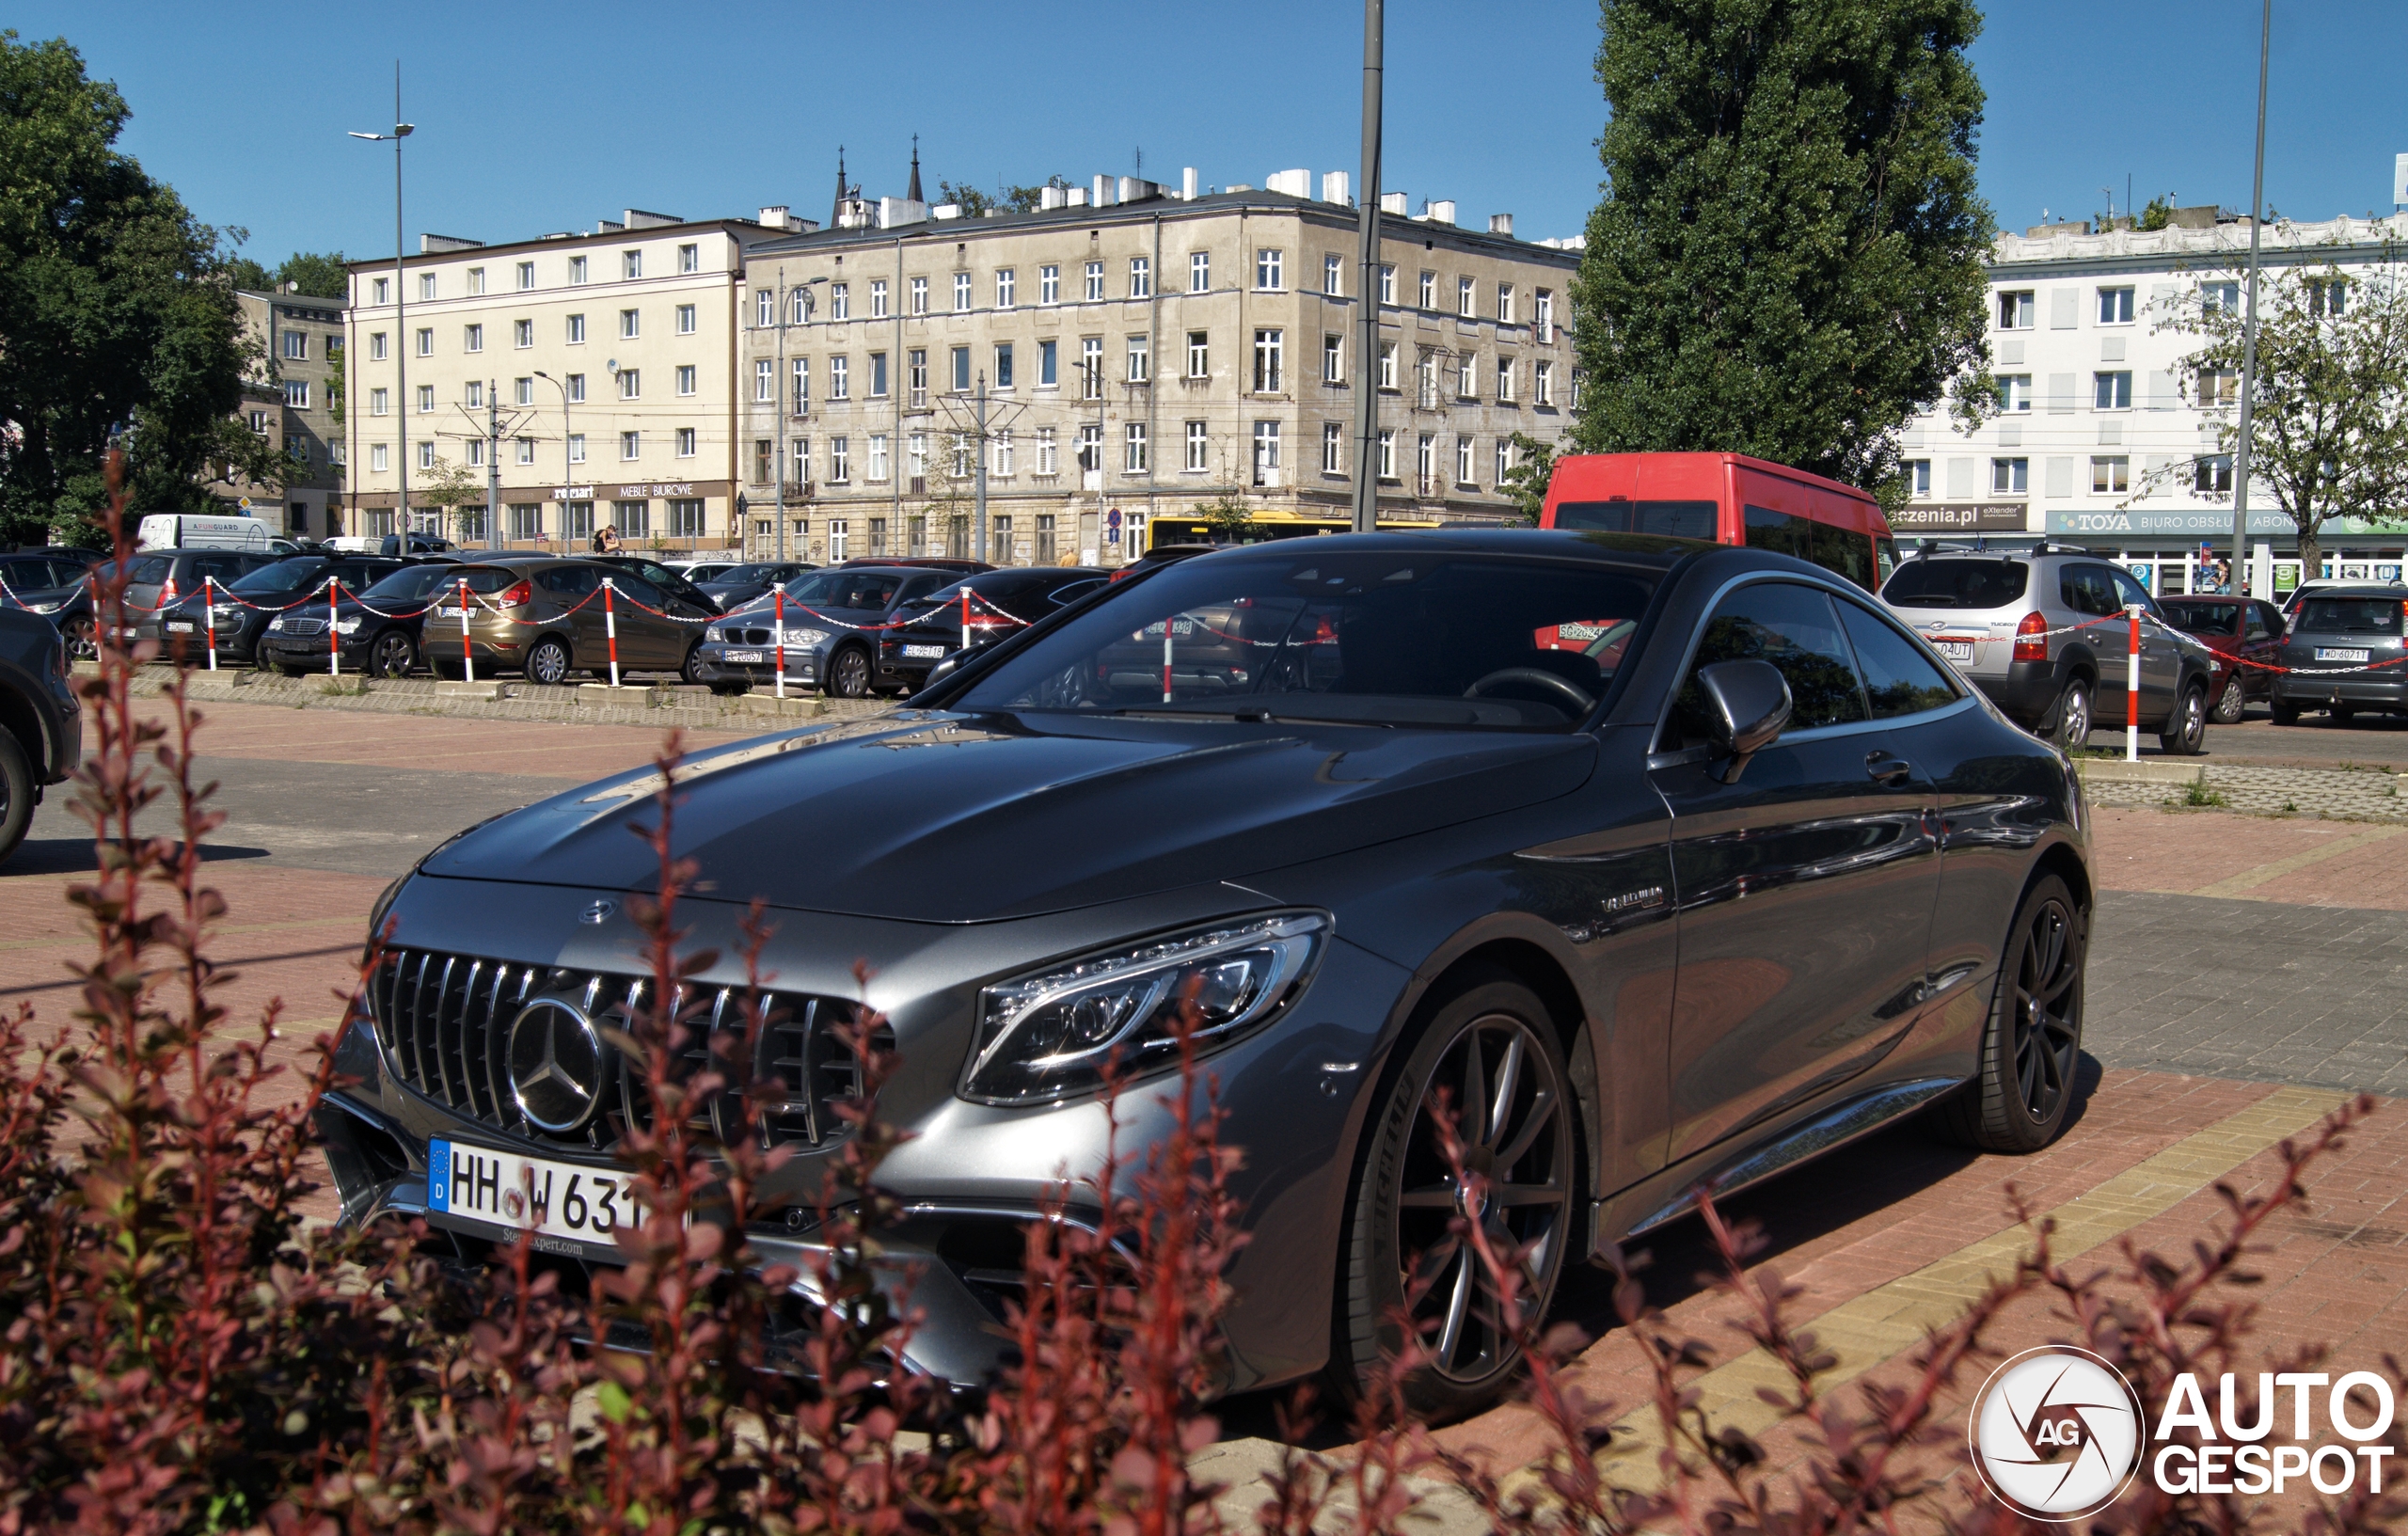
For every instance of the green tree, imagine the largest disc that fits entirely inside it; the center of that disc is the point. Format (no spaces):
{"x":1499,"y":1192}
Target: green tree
{"x":319,"y":274}
{"x":1787,"y":258}
{"x":1228,"y":516}
{"x":460,"y":491}
{"x":2329,"y":430}
{"x":2159,"y":213}
{"x":117,"y":317}
{"x":1526,"y":480}
{"x":973,"y":203}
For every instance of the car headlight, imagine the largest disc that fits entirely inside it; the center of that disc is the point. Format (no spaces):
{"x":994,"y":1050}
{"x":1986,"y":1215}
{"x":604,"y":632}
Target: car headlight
{"x":346,"y":627}
{"x":225,"y":610}
{"x":1050,"y":1034}
{"x":48,"y":608}
{"x":713,"y":635}
{"x":277,"y":623}
{"x":805,"y":639}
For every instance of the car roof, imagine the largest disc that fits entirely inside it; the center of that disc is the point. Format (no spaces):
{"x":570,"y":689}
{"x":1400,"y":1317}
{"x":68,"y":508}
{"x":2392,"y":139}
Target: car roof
{"x":2387,"y":591}
{"x":1647,"y":549}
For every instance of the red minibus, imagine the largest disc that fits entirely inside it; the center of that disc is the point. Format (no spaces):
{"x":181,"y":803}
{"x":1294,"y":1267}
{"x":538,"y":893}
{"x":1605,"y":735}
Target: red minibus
{"x":1727,"y":499}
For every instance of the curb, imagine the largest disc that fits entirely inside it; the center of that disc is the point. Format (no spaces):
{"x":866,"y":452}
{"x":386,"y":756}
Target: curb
{"x":2146,"y":771}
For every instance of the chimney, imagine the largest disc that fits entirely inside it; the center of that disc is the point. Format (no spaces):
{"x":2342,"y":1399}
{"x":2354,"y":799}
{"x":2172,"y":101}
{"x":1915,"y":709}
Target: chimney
{"x":1335,"y":187}
{"x":1393,"y":202}
{"x":775,"y":215}
{"x":1077,"y":198}
{"x":1294,"y":183}
{"x":1135,"y":189}
{"x":1187,"y":183}
{"x":1053,"y":197}
{"x":1442,"y":212}
{"x":1103,"y":191}
{"x":1501,"y":224}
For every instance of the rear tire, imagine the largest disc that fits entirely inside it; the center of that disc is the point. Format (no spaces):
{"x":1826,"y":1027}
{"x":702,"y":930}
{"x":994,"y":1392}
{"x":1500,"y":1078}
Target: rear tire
{"x":848,"y":673}
{"x":16,"y":793}
{"x":547,"y":661}
{"x":1493,"y":1040}
{"x":2071,"y":729}
{"x":2344,"y":713}
{"x":2283,"y":712}
{"x":2186,"y":729}
{"x":393,"y":655}
{"x":2232,"y":703}
{"x":2032,"y":1046}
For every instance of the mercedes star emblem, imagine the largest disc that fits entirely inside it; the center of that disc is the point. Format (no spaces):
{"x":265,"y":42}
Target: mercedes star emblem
{"x":555,"y":1065}
{"x":596,"y":910}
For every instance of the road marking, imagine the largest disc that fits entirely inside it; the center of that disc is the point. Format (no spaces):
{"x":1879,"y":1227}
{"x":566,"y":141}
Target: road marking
{"x":2249,"y":879}
{"x":1890,"y":1320}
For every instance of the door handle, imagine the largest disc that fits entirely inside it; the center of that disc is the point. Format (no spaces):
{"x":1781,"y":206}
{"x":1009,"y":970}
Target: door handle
{"x":1888,"y":771}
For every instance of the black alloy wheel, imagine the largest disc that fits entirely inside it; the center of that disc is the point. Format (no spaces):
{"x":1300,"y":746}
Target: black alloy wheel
{"x":1490,"y":1055}
{"x":2073,"y":716}
{"x":547,"y":661}
{"x":81,"y":637}
{"x":16,"y":792}
{"x":2186,"y":729}
{"x":2018,"y":1101}
{"x":393,"y":655}
{"x":848,"y":672}
{"x":2232,"y":703}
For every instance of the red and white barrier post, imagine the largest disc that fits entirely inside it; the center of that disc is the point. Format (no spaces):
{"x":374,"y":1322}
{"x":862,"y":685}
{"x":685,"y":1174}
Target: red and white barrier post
{"x":2133,"y":689}
{"x":779,"y":634}
{"x":965,"y":618}
{"x":334,"y":641}
{"x":1165,"y":659}
{"x":467,"y":659}
{"x":611,"y":627}
{"x":209,"y":610}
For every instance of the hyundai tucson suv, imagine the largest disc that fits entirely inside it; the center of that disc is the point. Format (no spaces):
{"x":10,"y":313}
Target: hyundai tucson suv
{"x":1743,"y":874}
{"x":2045,"y":634}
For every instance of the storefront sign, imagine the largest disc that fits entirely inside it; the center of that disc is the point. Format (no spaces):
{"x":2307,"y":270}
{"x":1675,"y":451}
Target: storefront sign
{"x":1959,"y":517}
{"x":2140,"y":522}
{"x":632,"y":492}
{"x":572,"y":493}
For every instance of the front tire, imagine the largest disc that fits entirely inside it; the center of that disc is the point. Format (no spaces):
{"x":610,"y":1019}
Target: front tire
{"x":1493,"y":1049}
{"x":83,"y":638}
{"x":16,"y":793}
{"x":2018,"y":1100}
{"x":2186,"y":729}
{"x":848,"y":673}
{"x":2072,"y":729}
{"x":692,"y":670}
{"x":2232,"y":703}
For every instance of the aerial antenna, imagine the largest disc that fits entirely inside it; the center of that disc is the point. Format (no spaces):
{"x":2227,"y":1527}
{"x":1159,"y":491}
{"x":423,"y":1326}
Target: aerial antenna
{"x":1140,"y":156}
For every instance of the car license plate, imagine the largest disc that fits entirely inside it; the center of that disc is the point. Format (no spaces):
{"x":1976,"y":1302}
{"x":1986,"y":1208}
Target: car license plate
{"x":2327,"y":653}
{"x":530,"y":1194}
{"x":449,"y":611}
{"x":183,"y":627}
{"x":931,"y":652}
{"x":753,"y":658}
{"x":1955,"y":650}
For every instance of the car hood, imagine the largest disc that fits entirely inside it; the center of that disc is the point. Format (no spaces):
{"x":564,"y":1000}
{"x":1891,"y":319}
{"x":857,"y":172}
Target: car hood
{"x":957,"y":818}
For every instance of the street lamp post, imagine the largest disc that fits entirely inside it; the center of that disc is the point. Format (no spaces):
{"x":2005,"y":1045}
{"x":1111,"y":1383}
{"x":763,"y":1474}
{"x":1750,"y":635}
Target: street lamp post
{"x":2240,"y":465}
{"x":400,"y":313}
{"x":568,"y":464}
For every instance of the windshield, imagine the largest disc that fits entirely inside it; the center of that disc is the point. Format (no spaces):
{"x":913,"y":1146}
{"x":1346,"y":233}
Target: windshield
{"x":868,"y":590}
{"x":2205,"y":618}
{"x":732,"y":576}
{"x":1957,"y":584}
{"x":1415,"y":638}
{"x":290,"y":575}
{"x":412,"y":582}
{"x":2351,"y":615}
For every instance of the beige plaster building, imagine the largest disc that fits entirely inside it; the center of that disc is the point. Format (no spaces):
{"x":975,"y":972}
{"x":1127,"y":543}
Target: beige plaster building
{"x":1143,"y":351}
{"x":598,"y":370}
{"x":291,"y":403}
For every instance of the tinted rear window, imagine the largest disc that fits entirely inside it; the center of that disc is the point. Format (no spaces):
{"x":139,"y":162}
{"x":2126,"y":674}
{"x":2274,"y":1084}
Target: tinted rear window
{"x":1958,"y":584}
{"x":2349,"y":616}
{"x":411,"y":581}
{"x":1674,"y":519}
{"x":2205,"y":618}
{"x":484,"y":579}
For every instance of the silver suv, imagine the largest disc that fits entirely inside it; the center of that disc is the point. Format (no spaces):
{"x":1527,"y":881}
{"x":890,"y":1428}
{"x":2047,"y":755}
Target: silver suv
{"x":2043,"y":633}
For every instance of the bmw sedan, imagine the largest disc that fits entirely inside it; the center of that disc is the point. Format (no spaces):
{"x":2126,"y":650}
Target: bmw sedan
{"x":1666,"y":865}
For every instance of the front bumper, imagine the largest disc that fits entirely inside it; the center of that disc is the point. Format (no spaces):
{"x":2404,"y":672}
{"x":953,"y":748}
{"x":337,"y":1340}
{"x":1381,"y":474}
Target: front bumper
{"x":804,"y":667}
{"x":969,"y":1176}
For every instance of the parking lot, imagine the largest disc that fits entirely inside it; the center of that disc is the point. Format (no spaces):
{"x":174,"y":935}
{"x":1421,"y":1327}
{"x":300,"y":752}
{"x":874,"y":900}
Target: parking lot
{"x":2247,"y":975}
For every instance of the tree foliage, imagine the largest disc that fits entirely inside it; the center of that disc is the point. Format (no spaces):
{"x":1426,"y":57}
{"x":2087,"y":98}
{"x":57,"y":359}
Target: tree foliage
{"x":1010,"y":199}
{"x":116,"y":316}
{"x":2329,"y":428}
{"x":1787,"y":258}
{"x":319,"y":273}
{"x":1525,"y":482}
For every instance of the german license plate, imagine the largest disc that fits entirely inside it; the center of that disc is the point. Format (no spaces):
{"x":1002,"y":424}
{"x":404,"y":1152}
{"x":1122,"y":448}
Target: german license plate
{"x":930,"y":651}
{"x":2331,"y":653}
{"x":1955,"y":650}
{"x":746,"y":658}
{"x":183,"y":627}
{"x":529,"y":1193}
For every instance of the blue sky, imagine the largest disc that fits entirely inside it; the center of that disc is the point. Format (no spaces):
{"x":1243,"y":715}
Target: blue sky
{"x":539,"y":116}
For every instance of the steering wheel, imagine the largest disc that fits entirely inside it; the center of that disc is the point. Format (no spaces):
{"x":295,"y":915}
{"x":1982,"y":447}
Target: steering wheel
{"x":1534,"y":674}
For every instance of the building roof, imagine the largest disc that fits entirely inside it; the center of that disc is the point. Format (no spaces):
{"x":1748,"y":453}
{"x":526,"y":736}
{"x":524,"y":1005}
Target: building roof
{"x":2283,"y":243}
{"x":569,"y":237}
{"x":1145,"y":209}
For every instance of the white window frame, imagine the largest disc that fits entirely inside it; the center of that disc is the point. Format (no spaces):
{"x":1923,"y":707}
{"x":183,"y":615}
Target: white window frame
{"x":2110,"y":474}
{"x":919,"y":295}
{"x":2010,"y":476}
{"x":1199,"y":355}
{"x":961,"y":294}
{"x":2117,"y":304}
{"x":685,"y":442}
{"x":1141,"y":360}
{"x":1095,"y":282}
{"x":1200,"y":272}
{"x":1333,"y":449}
{"x":630,"y":324}
{"x":1137,"y":449}
{"x":630,"y":384}
{"x":1333,"y":275}
{"x":840,"y":303}
{"x":1141,"y":277}
{"x":686,"y":380}
{"x":1270,"y":360}
{"x":1007,"y":282}
{"x":378,"y":460}
{"x":687,"y":320}
{"x":877,"y":298}
{"x":765,"y":381}
{"x":690,"y":257}
{"x":1333,"y":358}
{"x":1466,"y":298}
{"x":630,"y":265}
{"x":1270,"y":270}
{"x":1049,"y":283}
{"x":1200,"y":448}
{"x":840,"y":377}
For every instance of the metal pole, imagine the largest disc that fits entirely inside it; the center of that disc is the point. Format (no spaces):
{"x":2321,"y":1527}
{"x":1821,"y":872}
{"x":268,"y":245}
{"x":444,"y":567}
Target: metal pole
{"x":493,"y":464}
{"x":1367,"y":326}
{"x":979,"y":522}
{"x":401,"y":328}
{"x":2249,"y":327}
{"x":778,"y":419}
{"x":895,"y":374}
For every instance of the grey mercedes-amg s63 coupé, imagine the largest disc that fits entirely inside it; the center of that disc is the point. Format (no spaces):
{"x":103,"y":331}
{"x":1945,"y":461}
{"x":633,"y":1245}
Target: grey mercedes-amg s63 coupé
{"x":1671,"y":863}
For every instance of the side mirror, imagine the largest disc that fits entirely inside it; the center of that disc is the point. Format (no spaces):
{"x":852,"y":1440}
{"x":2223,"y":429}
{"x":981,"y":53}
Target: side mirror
{"x":1747,"y":706}
{"x":943,"y":670}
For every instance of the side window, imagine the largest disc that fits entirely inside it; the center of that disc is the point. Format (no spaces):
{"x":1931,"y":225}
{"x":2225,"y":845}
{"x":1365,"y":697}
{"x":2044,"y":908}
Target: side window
{"x":2129,"y":591}
{"x":2087,"y":590}
{"x":2260,"y":622}
{"x":222,"y":568}
{"x":1898,"y":678}
{"x":1777,"y":531}
{"x":1844,"y":552}
{"x":570,"y":580}
{"x":636,"y":587}
{"x":1794,"y":628}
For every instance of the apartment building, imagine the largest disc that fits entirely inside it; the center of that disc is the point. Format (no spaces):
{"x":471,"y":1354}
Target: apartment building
{"x":291,"y":403}
{"x":2100,"y":439}
{"x":596,"y":368}
{"x":1141,"y":352}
